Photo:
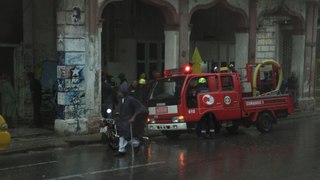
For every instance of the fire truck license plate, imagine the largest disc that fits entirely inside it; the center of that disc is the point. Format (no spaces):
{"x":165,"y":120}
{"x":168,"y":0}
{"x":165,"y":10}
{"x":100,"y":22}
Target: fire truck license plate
{"x":161,"y":110}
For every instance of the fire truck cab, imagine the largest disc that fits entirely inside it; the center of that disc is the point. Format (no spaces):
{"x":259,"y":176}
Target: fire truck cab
{"x":179,"y":101}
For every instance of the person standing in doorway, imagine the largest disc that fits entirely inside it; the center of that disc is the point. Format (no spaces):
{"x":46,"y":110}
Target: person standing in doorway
{"x":292,"y":84}
{"x":35,"y":89}
{"x":8,"y":100}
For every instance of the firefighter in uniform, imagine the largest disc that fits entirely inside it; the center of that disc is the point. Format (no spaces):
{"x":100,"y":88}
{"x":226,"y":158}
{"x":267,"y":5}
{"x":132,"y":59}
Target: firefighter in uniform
{"x":207,"y":128}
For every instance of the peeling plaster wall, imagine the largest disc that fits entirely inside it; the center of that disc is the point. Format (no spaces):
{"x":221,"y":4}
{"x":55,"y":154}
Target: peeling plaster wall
{"x":296,"y":6}
{"x":78,"y":70}
{"x":266,"y":40}
{"x":268,"y":33}
{"x":241,"y":4}
{"x":174,"y":3}
{"x":193,"y":4}
{"x":39,"y":47}
{"x":74,"y":67}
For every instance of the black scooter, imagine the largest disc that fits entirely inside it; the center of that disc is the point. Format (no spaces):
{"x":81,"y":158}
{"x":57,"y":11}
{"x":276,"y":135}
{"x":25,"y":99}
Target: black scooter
{"x":108,"y":130}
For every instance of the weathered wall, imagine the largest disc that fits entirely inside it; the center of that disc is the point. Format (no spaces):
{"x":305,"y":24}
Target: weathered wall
{"x":38,"y":52}
{"x":126,"y":23}
{"x":11,"y":22}
{"x":266,"y":43}
{"x":126,"y":63}
{"x":72,"y":52}
{"x":297,"y":7}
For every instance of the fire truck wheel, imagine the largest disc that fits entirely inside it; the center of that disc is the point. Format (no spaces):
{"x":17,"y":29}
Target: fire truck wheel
{"x":171,"y":134}
{"x":264,"y":122}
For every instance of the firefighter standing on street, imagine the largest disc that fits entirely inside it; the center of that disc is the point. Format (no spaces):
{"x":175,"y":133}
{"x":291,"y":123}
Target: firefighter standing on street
{"x":206,"y":124}
{"x":142,"y":91}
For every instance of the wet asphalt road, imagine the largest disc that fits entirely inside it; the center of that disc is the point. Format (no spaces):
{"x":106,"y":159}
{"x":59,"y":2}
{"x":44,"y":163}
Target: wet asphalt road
{"x":290,"y":151}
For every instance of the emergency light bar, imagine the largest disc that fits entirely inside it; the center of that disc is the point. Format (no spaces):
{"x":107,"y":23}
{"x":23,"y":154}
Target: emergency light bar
{"x":184,"y":70}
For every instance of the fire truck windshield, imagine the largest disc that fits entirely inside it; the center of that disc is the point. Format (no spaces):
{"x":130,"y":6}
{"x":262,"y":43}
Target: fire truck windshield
{"x":167,"y":91}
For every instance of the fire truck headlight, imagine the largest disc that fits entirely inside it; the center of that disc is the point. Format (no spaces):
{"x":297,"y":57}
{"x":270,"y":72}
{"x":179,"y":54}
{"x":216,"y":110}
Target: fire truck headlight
{"x":151,"y":121}
{"x":178,"y":119}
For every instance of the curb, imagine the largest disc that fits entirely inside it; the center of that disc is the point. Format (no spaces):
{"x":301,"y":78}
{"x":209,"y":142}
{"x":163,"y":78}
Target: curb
{"x":34,"y":146}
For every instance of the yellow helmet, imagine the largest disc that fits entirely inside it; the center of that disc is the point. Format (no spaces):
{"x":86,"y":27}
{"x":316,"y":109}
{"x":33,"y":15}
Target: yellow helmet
{"x":142,"y":81}
{"x":202,"y":80}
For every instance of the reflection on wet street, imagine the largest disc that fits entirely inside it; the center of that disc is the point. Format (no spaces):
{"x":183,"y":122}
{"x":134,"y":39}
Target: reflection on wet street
{"x":290,"y":151}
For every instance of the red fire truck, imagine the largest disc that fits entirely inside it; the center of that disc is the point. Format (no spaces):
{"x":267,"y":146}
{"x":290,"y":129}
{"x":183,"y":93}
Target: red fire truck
{"x":175,"y":109}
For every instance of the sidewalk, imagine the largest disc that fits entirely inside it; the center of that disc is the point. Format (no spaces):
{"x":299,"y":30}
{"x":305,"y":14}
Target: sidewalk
{"x":25,"y":139}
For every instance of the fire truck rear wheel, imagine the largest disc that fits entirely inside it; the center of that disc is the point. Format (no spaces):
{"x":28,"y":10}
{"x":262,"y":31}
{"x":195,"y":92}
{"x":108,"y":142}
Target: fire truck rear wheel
{"x":264,"y":122}
{"x":171,"y":134}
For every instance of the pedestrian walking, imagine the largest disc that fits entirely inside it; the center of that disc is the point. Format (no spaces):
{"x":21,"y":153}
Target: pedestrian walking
{"x":131,"y":111}
{"x":36,"y":96}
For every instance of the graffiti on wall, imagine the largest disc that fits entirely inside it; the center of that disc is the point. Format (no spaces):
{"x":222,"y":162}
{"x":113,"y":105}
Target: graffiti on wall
{"x":72,"y":104}
{"x":70,"y":78}
{"x":76,"y":15}
{"x":60,"y":57}
{"x":74,"y":58}
{"x":47,"y":73}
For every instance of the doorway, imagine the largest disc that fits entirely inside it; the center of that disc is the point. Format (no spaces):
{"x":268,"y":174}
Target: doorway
{"x":150,"y":57}
{"x":6,"y":65}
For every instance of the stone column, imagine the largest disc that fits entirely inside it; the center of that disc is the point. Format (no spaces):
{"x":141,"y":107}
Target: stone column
{"x":298,"y":45}
{"x":27,"y":65}
{"x":171,"y":48}
{"x":241,"y":50}
{"x":93,"y":68}
{"x":184,"y":32}
{"x":71,"y":57}
{"x":307,"y":101}
{"x":252,"y":30}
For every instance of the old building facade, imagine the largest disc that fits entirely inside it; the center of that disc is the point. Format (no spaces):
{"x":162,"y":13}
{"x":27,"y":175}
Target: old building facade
{"x":78,"y":39}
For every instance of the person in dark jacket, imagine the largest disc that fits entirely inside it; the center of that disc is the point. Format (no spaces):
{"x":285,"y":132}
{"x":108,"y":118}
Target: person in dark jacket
{"x":292,"y":84}
{"x":35,"y":89}
{"x":131,"y":111}
{"x":133,"y":89}
{"x":123,"y":81}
